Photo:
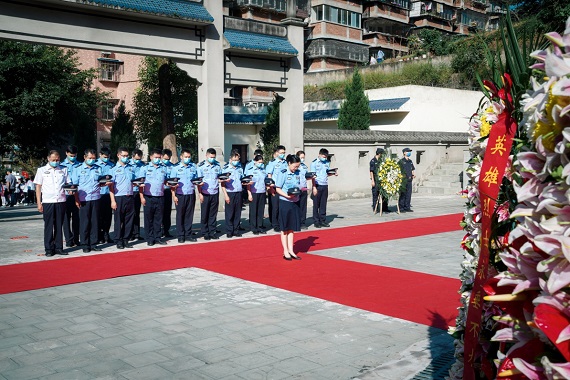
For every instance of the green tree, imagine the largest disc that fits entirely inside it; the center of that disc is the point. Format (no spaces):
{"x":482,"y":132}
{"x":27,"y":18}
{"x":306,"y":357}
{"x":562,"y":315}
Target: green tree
{"x":270,"y":132}
{"x":434,"y":42}
{"x":550,"y":14}
{"x":122,"y":131}
{"x":153,"y":114}
{"x":355,"y":110}
{"x":46,"y":101}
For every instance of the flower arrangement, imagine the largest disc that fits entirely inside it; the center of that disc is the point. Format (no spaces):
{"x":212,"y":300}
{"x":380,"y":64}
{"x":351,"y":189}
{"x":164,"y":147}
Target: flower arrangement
{"x":390,"y":178}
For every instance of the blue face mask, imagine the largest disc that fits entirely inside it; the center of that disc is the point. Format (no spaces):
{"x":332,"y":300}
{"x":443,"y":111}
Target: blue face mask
{"x":54,"y":164}
{"x":165,"y":162}
{"x":124,"y":160}
{"x":235,"y":163}
{"x":186,"y":160}
{"x":408,"y":154}
{"x":302,"y":160}
{"x":282,"y":156}
{"x":136,"y":161}
{"x":323,"y":159}
{"x":156,"y":161}
{"x":105,"y":159}
{"x":90,"y":161}
{"x":259,"y":165}
{"x":211,"y":160}
{"x":71,"y":159}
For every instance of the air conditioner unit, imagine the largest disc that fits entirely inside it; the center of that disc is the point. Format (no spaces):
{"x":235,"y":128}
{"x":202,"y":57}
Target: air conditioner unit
{"x":251,"y":104}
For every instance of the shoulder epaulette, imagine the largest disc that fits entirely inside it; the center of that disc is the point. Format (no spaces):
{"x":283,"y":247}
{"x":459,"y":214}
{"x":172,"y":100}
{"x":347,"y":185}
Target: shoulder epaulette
{"x":226,"y":166}
{"x":273,"y":160}
{"x":284,"y":171}
{"x":201,"y":163}
{"x":315,"y":160}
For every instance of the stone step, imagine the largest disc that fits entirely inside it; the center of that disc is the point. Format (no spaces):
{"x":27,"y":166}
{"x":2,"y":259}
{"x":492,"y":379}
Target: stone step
{"x":447,"y":172}
{"x":452,"y":165}
{"x":431,"y":183}
{"x":443,"y":178}
{"x":438,"y":190}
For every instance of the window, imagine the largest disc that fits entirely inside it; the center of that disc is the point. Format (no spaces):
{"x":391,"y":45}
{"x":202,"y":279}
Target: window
{"x":336,"y":15}
{"x":110,"y":69}
{"x":108,"y":110}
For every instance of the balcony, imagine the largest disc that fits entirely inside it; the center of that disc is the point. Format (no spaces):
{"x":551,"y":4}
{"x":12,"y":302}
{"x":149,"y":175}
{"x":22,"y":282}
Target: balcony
{"x":341,"y":50}
{"x":479,"y":3}
{"x":403,"y":4}
{"x":279,"y":6}
{"x":438,"y":15}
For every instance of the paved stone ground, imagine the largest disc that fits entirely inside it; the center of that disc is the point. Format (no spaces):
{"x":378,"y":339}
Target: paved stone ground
{"x":195,"y":324}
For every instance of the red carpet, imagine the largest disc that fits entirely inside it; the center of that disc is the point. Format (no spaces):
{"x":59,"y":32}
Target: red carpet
{"x":422,"y":298}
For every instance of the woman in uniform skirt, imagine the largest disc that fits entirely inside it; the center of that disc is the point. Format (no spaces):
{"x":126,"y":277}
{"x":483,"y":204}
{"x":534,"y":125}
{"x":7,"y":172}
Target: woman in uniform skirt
{"x":287,"y":186}
{"x":256,"y":194}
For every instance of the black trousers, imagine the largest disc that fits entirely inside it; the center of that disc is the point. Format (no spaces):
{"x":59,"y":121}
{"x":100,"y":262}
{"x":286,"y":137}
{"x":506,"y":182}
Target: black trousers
{"x":89,"y":222}
{"x":136,"y":231}
{"x":274,"y":210}
{"x":153,"y":217}
{"x":166,"y":214}
{"x":320,"y":204}
{"x":105,"y":216}
{"x":185,"y":215}
{"x":209,"y":213}
{"x":71,"y":221}
{"x":375,"y":195}
{"x":53,"y":223}
{"x":256,"y":208}
{"x":13,"y":198}
{"x":124,"y":215}
{"x":406,"y":197}
{"x":303,"y":198}
{"x":233,"y":212}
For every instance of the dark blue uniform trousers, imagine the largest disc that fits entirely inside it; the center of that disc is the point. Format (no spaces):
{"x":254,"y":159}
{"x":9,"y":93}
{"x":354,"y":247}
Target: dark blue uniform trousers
{"x":303,"y":197}
{"x":124,"y":215}
{"x":167,"y":212}
{"x":208,"y":214}
{"x":153,"y":217}
{"x":136,"y":231}
{"x":320,"y":204}
{"x":71,"y":221}
{"x":53,"y":222}
{"x":274,"y":210}
{"x":256,"y":208}
{"x":406,"y":196}
{"x":89,"y":223}
{"x":185,"y":215}
{"x":105,"y":216}
{"x":233,"y":212}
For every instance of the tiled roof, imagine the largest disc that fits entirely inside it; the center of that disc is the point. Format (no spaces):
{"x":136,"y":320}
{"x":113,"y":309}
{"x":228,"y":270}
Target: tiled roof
{"x":235,"y":118}
{"x":265,"y":43}
{"x":375,"y":106}
{"x":181,"y":9}
{"x":337,"y":135}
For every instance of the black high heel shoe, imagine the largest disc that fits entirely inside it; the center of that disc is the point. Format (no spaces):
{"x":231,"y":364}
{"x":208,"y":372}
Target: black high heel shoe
{"x":295,"y":257}
{"x":287,"y":258}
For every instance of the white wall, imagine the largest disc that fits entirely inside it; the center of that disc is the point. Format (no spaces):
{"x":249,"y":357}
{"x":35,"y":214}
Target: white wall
{"x":241,"y":134}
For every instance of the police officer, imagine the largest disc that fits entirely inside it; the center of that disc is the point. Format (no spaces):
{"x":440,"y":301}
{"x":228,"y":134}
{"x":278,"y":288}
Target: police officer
{"x":209,"y":169}
{"x":273,"y":170}
{"x":152,"y":198}
{"x":374,"y":164}
{"x":256,"y":195}
{"x":303,"y":197}
{"x":51,"y":201}
{"x":320,"y":165}
{"x":87,"y":198}
{"x":167,"y":213}
{"x":137,"y":162}
{"x":289,"y":212}
{"x":71,"y":218}
{"x":409,"y":171}
{"x":249,"y":166}
{"x":105,"y":211}
{"x":232,"y":190}
{"x":184,"y":195}
{"x":122,"y":200}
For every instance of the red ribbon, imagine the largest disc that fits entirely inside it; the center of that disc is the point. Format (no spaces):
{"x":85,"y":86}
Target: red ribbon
{"x":490,"y":178}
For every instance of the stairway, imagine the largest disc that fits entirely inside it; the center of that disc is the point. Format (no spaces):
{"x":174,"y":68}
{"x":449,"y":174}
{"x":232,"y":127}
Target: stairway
{"x":443,"y":181}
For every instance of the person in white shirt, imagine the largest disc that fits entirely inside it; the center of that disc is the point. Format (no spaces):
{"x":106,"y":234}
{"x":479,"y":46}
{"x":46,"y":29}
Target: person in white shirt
{"x":50,"y":197}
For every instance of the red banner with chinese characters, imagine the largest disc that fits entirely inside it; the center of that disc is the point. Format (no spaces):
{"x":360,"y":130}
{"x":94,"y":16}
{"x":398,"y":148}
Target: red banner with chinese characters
{"x":490,"y":178}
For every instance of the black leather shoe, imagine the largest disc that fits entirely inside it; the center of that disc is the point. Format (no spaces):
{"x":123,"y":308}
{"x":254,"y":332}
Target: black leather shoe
{"x":255,"y":233}
{"x":207,"y":238}
{"x":120,"y":245}
{"x":127,"y":244}
{"x":237,"y":235}
{"x":303,"y":227}
{"x":410,"y":210}
{"x":95,"y":248}
{"x":86,"y":250}
{"x":168,"y":235}
{"x":50,"y":253}
{"x":181,"y":240}
{"x":191,"y":239}
{"x":229,"y":236}
{"x":60,"y":252}
{"x":150,"y":244}
{"x":287,"y":258}
{"x":276,"y":230}
{"x":162,"y":242}
{"x":140,"y":238}
{"x":295,"y":257}
{"x":317,"y":225}
{"x":263,"y":232}
{"x":214,"y":237}
{"x":325,"y":224}
{"x":109,"y":240}
{"x":241,"y":228}
{"x":70,"y":245}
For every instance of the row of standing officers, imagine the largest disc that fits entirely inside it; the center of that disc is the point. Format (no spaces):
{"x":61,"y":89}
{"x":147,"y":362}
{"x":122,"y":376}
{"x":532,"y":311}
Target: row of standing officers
{"x":84,"y":197}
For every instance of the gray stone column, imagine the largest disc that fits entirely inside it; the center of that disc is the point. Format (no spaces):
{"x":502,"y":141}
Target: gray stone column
{"x":291,"y":109}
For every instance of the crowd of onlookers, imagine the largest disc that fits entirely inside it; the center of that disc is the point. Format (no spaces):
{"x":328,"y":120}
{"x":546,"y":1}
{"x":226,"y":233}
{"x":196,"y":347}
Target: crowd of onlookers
{"x":17,"y":190}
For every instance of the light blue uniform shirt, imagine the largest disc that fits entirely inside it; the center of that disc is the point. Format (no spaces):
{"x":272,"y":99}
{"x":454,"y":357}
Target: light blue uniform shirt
{"x":288,"y":180}
{"x":210,"y":173}
{"x":87,"y":180}
{"x":275,"y":167}
{"x":236,"y":174}
{"x":122,"y":177}
{"x":303,"y":169}
{"x":154,"y":179}
{"x":185,"y":175}
{"x":70,"y":166}
{"x":169,"y":167}
{"x":258,"y":179}
{"x":105,"y":169}
{"x":137,"y":167}
{"x":249,"y":165}
{"x":320,"y":168}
